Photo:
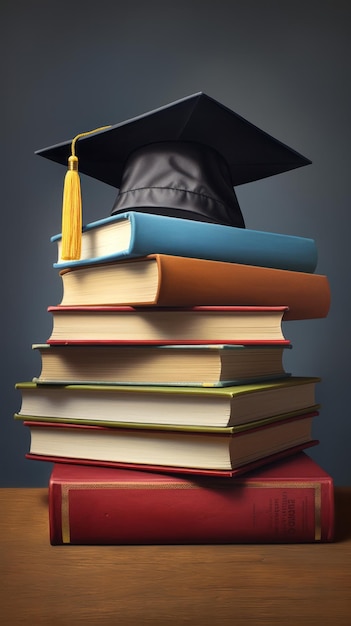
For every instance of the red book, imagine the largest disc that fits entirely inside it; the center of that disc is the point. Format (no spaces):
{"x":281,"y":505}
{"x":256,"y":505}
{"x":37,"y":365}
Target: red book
{"x":176,"y":449}
{"x":196,"y":325}
{"x":289,"y":501}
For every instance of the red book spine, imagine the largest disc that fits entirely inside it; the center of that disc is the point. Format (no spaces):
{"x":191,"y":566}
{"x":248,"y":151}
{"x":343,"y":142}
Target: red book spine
{"x":117,"y":507}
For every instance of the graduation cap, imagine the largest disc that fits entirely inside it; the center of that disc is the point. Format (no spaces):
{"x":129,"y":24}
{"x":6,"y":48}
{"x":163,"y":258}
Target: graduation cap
{"x":183,"y":159}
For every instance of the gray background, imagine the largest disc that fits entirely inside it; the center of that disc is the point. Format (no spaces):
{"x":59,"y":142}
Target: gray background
{"x":68,"y":67}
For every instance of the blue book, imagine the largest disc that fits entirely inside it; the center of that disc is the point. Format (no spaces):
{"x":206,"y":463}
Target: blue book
{"x":135,"y":234}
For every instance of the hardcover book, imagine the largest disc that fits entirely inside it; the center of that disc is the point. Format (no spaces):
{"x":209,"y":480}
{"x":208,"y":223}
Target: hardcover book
{"x":173,"y":281}
{"x":136,"y":234}
{"x":206,"y":365}
{"x":289,"y":501}
{"x":223,"y":451}
{"x":152,"y":325}
{"x":171,"y":405}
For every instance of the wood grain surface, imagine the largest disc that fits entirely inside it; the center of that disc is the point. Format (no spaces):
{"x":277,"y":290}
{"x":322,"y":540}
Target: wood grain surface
{"x":161,"y":585}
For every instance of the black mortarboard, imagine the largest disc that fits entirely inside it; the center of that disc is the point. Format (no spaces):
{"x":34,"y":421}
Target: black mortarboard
{"x":183,"y":159}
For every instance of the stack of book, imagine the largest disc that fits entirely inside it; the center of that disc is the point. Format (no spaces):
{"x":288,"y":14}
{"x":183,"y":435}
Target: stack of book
{"x":163,"y":399}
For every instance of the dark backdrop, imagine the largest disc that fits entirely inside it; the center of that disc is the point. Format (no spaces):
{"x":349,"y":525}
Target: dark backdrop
{"x":72,"y":66}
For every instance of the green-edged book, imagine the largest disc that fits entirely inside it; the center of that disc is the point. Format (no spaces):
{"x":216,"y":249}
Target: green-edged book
{"x":168,"y":405}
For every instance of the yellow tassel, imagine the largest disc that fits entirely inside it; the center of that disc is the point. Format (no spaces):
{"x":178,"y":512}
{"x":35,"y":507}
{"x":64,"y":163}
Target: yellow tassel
{"x":72,"y":205}
{"x":71,"y":213}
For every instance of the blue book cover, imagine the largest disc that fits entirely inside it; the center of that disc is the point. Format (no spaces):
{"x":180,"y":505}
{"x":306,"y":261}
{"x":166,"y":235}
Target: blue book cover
{"x":137,"y":234}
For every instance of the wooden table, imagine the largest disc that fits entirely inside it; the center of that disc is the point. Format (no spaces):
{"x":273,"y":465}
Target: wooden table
{"x":162,"y":585}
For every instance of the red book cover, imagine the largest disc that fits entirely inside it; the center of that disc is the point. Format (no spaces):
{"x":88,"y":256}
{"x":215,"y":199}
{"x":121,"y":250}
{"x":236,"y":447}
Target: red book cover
{"x":289,"y":501}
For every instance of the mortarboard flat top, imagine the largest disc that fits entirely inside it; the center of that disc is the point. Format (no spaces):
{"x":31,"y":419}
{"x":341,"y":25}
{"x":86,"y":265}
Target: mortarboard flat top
{"x":250,"y":153}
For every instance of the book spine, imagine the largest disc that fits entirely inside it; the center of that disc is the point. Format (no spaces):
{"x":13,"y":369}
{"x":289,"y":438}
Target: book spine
{"x":222,"y":243}
{"x":177,"y":512}
{"x":181,"y":282}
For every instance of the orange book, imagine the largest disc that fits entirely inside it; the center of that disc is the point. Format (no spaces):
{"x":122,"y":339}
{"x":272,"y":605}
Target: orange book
{"x":174,"y":281}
